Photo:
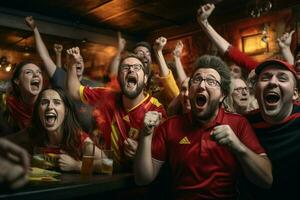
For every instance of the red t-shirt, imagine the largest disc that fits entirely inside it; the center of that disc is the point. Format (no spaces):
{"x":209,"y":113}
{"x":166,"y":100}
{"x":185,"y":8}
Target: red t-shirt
{"x":114,"y":123}
{"x":202,"y":169}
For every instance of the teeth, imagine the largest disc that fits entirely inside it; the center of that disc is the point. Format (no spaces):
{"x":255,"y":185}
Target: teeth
{"x":50,"y":115}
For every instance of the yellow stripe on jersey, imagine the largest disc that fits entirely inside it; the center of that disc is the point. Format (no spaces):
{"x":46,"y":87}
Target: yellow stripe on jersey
{"x":82,"y":98}
{"x":155,"y":102}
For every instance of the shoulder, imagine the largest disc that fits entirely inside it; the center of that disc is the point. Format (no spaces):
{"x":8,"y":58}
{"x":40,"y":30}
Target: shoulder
{"x":154,"y":101}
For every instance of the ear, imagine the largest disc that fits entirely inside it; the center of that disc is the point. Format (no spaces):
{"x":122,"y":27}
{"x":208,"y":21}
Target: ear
{"x":223,"y":96}
{"x":295,"y":94}
{"x":145,"y":79}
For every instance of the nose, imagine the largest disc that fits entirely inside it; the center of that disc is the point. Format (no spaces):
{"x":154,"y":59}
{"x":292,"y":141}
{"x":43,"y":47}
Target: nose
{"x":273,"y":81}
{"x":244,"y":91}
{"x":50,"y":105}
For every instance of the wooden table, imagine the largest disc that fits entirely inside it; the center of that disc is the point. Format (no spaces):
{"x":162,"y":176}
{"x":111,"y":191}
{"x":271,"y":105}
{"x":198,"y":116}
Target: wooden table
{"x":73,"y":186}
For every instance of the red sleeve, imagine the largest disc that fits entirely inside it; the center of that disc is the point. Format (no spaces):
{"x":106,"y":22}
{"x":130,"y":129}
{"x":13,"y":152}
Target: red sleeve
{"x":240,"y":58}
{"x":158,"y":147}
{"x":94,"y":96}
{"x":248,"y":137}
{"x":113,"y":84}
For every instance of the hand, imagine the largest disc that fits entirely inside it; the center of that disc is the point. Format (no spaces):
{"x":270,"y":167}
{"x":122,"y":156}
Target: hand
{"x":178,"y":49}
{"x":160,"y":43}
{"x":130,"y":147}
{"x":224,"y":135}
{"x":14,"y":164}
{"x":30,"y":22}
{"x":285,"y":40}
{"x":121,"y":42}
{"x":151,"y":120}
{"x":204,"y":12}
{"x":58,"y":48}
{"x":74,"y":57}
{"x":67,"y":163}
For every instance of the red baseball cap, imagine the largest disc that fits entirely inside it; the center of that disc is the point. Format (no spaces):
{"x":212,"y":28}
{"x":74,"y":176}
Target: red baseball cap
{"x":273,"y":62}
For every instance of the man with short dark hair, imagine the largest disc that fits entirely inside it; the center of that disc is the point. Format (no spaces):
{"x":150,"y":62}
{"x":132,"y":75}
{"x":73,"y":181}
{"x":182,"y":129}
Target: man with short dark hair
{"x":206,"y":148}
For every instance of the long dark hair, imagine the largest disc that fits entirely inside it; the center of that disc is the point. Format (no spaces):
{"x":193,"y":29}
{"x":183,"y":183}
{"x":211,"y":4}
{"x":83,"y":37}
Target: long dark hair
{"x":70,"y":126}
{"x":16,"y":73}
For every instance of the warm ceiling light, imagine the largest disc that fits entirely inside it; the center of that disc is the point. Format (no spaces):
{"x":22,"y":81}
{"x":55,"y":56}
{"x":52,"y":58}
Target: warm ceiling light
{"x":8,"y":68}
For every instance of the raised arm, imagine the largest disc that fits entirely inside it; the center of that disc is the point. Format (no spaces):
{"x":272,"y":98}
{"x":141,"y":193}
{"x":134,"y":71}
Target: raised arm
{"x":202,"y":15}
{"x":158,"y":47}
{"x":145,"y":168}
{"x":165,"y":76}
{"x":73,"y":83}
{"x":113,"y":69}
{"x":41,"y":48}
{"x":58,"y":50}
{"x":224,"y":47}
{"x":178,"y":65}
{"x":284,"y":43}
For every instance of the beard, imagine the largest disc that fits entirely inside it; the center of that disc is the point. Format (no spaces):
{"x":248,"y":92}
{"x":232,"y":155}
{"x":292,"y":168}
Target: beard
{"x":132,"y":94}
{"x":206,"y":114}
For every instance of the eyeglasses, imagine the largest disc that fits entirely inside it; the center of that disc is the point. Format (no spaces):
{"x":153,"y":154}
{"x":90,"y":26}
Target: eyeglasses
{"x":208,"y":81}
{"x":142,"y":53}
{"x":241,"y":89}
{"x":135,"y":67}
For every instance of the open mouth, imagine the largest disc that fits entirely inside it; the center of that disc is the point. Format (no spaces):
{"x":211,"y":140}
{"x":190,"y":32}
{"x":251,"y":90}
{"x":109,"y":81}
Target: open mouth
{"x":78,"y":69}
{"x":272,"y":98}
{"x":244,"y":99}
{"x":50,"y":118}
{"x":201,"y":100}
{"x":35,"y":84}
{"x":131,"y":81}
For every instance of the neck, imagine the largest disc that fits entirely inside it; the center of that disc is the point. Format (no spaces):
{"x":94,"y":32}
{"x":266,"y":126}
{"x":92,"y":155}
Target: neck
{"x":131,"y":103}
{"x":240,"y":109}
{"x":28,"y":99}
{"x":55,"y":137}
{"x":280,"y":117}
{"x":206,"y":122}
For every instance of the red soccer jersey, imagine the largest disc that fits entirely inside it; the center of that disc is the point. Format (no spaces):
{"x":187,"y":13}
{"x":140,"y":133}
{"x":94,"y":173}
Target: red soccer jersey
{"x":114,"y":123}
{"x":202,"y":169}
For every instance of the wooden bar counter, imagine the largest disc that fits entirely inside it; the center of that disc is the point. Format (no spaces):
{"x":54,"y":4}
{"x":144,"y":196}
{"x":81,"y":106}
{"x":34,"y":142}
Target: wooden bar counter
{"x":73,"y":186}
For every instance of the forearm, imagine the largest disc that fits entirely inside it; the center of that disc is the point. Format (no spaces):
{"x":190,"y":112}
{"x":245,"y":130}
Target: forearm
{"x":114,"y":66}
{"x":179,"y":69}
{"x":287,"y":54}
{"x":215,"y":37}
{"x":143,"y":166}
{"x":257,"y":168}
{"x":73,"y":84}
{"x":163,"y":68}
{"x":58,"y":60}
{"x":44,"y":54}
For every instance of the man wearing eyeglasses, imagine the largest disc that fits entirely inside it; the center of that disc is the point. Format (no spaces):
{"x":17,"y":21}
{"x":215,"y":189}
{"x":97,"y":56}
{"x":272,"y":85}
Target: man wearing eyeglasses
{"x":240,"y":96}
{"x":207,"y":148}
{"x":119,"y":115}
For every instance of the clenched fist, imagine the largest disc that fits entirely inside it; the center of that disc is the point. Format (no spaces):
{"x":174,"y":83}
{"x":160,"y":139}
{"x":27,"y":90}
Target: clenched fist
{"x":151,"y":120}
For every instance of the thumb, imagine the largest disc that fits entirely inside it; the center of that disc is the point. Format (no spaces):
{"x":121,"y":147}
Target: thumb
{"x":292,"y":32}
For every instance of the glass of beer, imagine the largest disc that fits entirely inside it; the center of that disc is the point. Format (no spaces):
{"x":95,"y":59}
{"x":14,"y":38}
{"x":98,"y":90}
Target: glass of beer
{"x":88,"y":159}
{"x":106,"y":166}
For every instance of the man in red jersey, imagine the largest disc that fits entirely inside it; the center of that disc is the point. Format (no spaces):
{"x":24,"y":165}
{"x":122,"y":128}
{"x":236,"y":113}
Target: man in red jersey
{"x":207,"y":148}
{"x":118,"y":115}
{"x":277,"y":121}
